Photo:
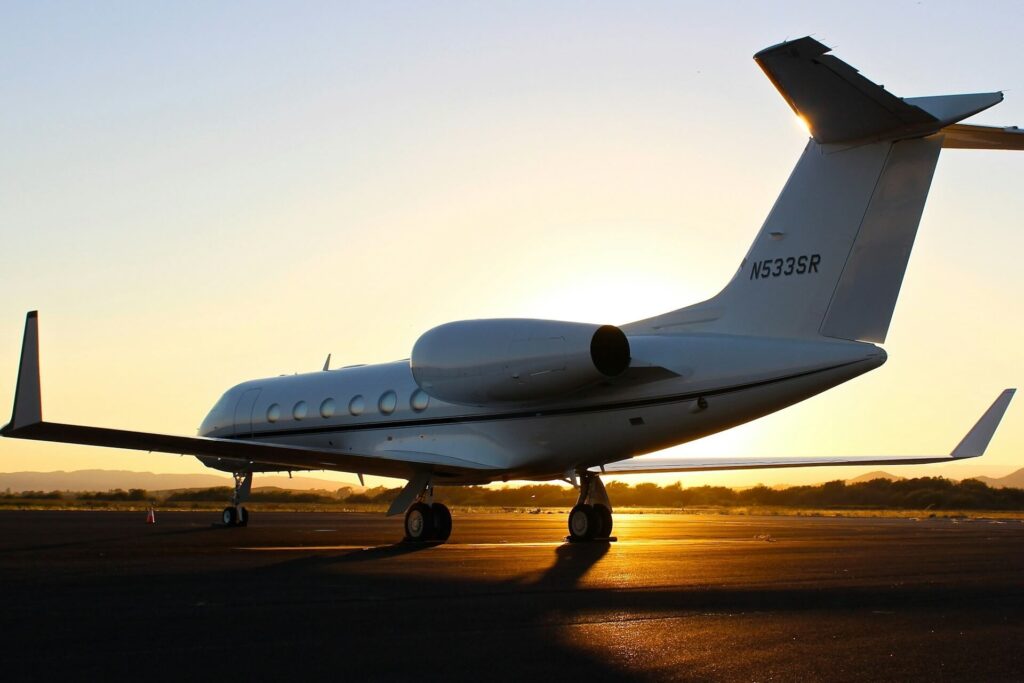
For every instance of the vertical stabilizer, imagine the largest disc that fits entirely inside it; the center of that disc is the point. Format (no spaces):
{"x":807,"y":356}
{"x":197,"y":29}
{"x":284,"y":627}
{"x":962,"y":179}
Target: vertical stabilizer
{"x":865,"y":296}
{"x":830,"y":258}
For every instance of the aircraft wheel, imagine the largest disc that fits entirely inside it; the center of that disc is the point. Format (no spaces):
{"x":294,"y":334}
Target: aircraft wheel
{"x":243,"y":516}
{"x":230,"y":516}
{"x":442,"y":521}
{"x":604,"y":518}
{"x":583,"y":523}
{"x":419,"y":523}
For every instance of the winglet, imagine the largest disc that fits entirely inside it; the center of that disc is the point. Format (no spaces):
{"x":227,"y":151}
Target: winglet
{"x":976,"y":441}
{"x":28,"y":408}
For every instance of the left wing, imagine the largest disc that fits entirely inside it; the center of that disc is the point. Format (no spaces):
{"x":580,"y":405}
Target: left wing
{"x":227,"y":454}
{"x":972,"y":446}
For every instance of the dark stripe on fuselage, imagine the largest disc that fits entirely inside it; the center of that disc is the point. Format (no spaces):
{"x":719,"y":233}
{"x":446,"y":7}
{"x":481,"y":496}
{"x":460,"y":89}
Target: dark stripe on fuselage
{"x":525,"y":414}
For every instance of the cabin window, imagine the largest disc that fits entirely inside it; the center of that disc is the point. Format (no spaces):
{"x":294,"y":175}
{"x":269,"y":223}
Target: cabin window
{"x":419,"y":400}
{"x":388,"y":402}
{"x":300,"y":410}
{"x":357,"y":405}
{"x":273,"y":413}
{"x":327,"y":408}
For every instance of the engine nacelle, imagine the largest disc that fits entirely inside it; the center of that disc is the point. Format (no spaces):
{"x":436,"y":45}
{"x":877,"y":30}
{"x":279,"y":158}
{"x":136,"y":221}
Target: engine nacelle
{"x":481,"y":362}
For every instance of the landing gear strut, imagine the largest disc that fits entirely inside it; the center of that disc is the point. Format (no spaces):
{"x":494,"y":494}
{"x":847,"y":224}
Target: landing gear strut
{"x":236,"y":514}
{"x":591,"y":518}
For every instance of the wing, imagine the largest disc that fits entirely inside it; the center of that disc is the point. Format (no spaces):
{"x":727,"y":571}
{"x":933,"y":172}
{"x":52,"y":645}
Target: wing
{"x":972,"y":446}
{"x":227,"y":454}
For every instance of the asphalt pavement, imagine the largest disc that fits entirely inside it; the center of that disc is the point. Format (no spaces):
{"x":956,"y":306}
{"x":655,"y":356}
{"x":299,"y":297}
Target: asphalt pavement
{"x":678,"y":597}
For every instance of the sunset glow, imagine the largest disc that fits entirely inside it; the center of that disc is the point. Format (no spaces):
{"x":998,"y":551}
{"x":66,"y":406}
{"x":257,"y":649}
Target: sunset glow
{"x":199,"y":197}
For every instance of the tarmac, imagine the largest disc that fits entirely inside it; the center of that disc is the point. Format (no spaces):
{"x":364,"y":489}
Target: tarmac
{"x":678,"y":597}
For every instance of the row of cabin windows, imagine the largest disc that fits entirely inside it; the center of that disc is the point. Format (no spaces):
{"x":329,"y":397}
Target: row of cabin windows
{"x":386,"y":404}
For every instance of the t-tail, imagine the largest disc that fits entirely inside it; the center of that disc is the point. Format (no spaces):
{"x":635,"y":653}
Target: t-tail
{"x":829,"y":260}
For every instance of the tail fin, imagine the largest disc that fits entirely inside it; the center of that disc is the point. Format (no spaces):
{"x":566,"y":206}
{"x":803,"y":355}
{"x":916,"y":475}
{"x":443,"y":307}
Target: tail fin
{"x":830,"y":258}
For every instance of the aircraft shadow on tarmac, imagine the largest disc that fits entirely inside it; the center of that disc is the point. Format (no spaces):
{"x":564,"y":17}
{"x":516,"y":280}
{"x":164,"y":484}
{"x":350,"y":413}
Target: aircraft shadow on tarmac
{"x":572,"y":560}
{"x":381,"y":552}
{"x":391,"y":612}
{"x":543,"y":611}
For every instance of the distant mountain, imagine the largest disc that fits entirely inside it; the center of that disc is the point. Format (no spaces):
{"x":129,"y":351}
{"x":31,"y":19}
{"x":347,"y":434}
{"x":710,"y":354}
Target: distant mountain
{"x":1014,"y":480}
{"x":874,"y":475}
{"x":104,"y":480}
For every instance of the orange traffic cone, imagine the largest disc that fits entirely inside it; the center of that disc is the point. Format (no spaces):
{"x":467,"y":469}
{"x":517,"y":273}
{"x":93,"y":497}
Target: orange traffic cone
{"x":151,"y":516}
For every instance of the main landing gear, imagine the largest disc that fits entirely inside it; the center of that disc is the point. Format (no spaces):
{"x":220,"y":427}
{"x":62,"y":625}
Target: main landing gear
{"x":428,"y":522}
{"x":425,"y":520}
{"x":236,"y":514}
{"x":591,"y":518}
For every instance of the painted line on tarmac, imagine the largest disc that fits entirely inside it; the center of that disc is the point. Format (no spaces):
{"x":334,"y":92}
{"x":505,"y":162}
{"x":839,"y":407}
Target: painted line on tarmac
{"x":299,"y":548}
{"x":455,"y":546}
{"x":293,"y":548}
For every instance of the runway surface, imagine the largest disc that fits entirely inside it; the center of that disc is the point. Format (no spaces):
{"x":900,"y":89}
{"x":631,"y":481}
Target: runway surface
{"x":679,"y":597}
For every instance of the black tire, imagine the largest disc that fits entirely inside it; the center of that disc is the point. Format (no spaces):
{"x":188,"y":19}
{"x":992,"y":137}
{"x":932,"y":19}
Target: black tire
{"x":583,"y":523}
{"x":419,"y":523}
{"x":604,"y":520}
{"x":229,"y":516}
{"x":442,"y":521}
{"x":243,"y":516}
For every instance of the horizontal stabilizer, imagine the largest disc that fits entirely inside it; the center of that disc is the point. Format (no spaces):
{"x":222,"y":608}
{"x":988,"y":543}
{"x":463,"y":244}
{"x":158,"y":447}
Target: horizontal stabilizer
{"x":972,"y":446}
{"x":842,"y":106}
{"x":964,"y":136}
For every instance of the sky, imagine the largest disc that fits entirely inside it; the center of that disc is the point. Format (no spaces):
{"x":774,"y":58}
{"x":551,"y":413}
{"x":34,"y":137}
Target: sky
{"x":194,"y":194}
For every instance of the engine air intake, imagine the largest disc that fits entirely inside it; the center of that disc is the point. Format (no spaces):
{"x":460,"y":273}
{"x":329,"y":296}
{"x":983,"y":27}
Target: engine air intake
{"x":609,"y":349}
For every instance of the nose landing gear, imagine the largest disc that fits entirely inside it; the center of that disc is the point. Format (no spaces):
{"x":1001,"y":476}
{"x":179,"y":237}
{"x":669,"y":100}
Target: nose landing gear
{"x":591,"y":518}
{"x":236,"y":514}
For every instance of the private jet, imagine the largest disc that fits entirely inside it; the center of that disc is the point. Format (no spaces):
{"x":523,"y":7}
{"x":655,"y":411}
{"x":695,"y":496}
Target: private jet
{"x":496,"y":400}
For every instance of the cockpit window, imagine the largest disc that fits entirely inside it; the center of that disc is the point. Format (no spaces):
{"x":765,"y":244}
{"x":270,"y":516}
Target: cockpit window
{"x":222,"y":405}
{"x":220,"y":416}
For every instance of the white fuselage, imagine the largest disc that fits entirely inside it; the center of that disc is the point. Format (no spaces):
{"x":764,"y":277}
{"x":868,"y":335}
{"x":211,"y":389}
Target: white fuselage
{"x":716,"y":382}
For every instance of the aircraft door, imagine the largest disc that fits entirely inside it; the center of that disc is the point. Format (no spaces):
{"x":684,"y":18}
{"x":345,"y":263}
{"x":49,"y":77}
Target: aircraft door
{"x":243,"y":412}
